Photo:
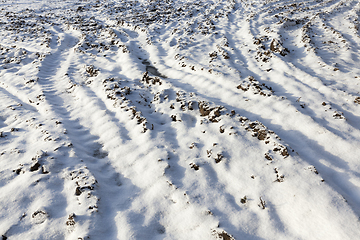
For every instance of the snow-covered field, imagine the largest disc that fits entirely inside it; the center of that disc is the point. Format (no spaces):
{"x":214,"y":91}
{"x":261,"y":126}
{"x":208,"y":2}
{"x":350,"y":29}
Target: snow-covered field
{"x":176,"y":119}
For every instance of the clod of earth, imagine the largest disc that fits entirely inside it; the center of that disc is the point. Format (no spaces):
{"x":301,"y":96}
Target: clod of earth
{"x":173,"y":118}
{"x":267,"y":156}
{"x":204,"y":109}
{"x":150,"y":80}
{"x":71,"y":220}
{"x":357,"y":100}
{"x":209,"y":153}
{"x":279,"y":178}
{"x":45,"y":169}
{"x":225,"y":236}
{"x":92,"y":71}
{"x":35,"y":166}
{"x":242,"y":88}
{"x":285,"y":152}
{"x":262,"y":134}
{"x":338,"y":115}
{"x":218,"y":158}
{"x":17,"y":171}
{"x":222,"y":130}
{"x":194,"y":166}
{"x":78,"y":191}
{"x":276,"y":46}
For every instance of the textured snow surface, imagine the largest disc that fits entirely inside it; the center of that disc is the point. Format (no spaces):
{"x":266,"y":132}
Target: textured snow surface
{"x":228,"y":119}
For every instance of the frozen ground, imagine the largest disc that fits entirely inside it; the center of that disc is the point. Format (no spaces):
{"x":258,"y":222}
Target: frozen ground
{"x":211,"y":119}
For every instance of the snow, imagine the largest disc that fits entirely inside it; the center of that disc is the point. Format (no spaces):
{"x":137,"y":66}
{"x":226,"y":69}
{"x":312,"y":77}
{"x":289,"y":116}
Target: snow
{"x":179,"y":120}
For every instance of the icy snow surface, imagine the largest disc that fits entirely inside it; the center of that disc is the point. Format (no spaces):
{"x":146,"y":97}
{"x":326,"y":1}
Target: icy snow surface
{"x":167,"y":119}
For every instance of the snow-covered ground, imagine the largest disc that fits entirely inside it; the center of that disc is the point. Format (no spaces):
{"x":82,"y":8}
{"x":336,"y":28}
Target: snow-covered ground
{"x":176,"y":119}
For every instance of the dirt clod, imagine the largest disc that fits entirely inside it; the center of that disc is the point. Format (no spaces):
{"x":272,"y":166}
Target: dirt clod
{"x":194,"y":166}
{"x":71,"y":220}
{"x":262,"y":134}
{"x":44,"y":169}
{"x":222,"y":130}
{"x":35,"y":166}
{"x":218,"y":158}
{"x":78,"y":191}
{"x":204,"y":109}
{"x":267,"y":156}
{"x":224,"y":235}
{"x":285,"y":152}
{"x":357,"y":100}
{"x":17,"y":171}
{"x":92,"y":71}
